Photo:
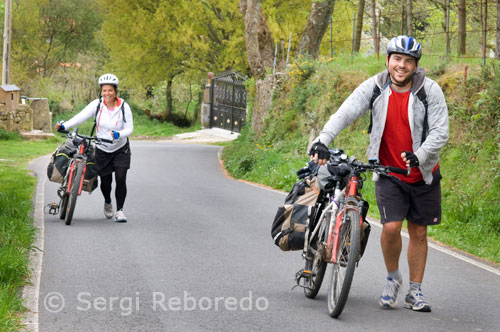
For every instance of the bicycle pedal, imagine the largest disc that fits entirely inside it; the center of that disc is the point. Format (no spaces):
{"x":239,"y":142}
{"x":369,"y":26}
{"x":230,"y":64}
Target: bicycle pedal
{"x":53,"y":208}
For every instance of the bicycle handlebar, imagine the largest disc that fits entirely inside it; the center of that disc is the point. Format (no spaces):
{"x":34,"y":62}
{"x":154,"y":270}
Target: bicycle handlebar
{"x":375,"y":167}
{"x":95,"y":138}
{"x":312,"y":167}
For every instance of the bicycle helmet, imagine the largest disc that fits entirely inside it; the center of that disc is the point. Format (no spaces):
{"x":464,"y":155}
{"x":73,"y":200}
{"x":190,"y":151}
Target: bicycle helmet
{"x":108,"y":79}
{"x":404,"y":45}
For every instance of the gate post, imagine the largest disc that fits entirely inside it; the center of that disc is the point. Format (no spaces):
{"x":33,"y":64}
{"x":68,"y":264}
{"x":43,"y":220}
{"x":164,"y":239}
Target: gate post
{"x":212,"y":87}
{"x":205,"y":103}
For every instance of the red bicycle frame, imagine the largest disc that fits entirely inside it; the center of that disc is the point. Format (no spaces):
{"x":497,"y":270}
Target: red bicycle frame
{"x":72,"y":171}
{"x":333,"y":240}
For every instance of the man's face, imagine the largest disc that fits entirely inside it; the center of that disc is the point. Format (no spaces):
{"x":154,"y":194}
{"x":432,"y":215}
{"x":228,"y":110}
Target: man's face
{"x":401,"y":67}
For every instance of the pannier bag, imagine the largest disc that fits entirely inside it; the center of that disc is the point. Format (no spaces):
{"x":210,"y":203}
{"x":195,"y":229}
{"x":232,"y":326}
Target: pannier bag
{"x":292,"y":219}
{"x":90,"y":181}
{"x":58,"y":164}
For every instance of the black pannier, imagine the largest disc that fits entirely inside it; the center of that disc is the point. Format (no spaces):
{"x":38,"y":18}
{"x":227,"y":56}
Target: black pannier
{"x":292,"y":219}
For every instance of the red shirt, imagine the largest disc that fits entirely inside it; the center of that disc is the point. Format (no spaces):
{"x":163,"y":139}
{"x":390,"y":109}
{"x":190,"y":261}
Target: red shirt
{"x":397,"y":136}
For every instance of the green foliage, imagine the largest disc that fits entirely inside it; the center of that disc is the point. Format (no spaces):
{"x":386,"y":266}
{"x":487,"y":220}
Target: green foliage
{"x":8,"y":135}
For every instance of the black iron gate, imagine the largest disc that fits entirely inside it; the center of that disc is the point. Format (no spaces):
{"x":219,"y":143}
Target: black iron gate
{"x":228,"y":101}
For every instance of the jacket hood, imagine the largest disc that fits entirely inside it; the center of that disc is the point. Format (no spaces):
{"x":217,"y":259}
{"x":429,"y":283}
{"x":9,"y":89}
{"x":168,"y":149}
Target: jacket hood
{"x":383,"y":80}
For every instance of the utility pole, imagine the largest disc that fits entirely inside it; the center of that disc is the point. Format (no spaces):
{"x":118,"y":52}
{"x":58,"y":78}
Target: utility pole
{"x":6,"y":43}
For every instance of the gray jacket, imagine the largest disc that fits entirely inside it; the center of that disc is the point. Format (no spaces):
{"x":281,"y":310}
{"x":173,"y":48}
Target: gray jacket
{"x":437,"y":116}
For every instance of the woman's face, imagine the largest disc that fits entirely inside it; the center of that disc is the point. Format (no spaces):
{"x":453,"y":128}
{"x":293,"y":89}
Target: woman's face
{"x":108,"y":93}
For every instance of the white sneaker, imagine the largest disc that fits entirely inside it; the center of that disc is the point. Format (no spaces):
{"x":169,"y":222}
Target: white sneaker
{"x":120,"y":216}
{"x":389,"y":297}
{"x":108,"y":210}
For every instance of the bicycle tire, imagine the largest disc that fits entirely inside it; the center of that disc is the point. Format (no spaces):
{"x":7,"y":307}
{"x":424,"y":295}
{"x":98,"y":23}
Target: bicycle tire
{"x":62,"y":208}
{"x":73,"y":192}
{"x":315,"y":262}
{"x":343,"y":270}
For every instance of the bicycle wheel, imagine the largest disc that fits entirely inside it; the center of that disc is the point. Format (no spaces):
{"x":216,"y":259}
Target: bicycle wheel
{"x":314,"y":259}
{"x":73,"y":192}
{"x":62,"y":207}
{"x":343,"y":270}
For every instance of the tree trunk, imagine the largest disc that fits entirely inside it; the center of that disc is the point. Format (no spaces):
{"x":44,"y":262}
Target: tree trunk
{"x":168,"y":111}
{"x":259,"y":47}
{"x":313,"y":33}
{"x":373,"y":8}
{"x":497,"y":50}
{"x":259,"y":44}
{"x":359,"y":26}
{"x":409,"y":17}
{"x":461,"y":27}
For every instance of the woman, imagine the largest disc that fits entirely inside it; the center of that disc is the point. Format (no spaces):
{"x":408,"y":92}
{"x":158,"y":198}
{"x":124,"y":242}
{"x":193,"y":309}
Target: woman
{"x":113,"y":119}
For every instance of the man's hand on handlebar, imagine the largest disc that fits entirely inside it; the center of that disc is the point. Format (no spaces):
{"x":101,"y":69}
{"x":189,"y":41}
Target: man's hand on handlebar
{"x":410,"y":158}
{"x":319,"y":153}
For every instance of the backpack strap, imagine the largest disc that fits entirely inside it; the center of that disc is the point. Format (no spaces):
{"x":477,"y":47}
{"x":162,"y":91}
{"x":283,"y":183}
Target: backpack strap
{"x":123,"y":111}
{"x":97,"y":112}
{"x":95,"y":117}
{"x":422,"y":95}
{"x":375,"y":94}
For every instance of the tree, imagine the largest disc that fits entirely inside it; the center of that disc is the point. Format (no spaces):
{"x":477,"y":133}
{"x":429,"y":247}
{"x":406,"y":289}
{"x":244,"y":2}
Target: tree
{"x":259,"y":44}
{"x":47,"y":33}
{"x":359,"y":26}
{"x":373,"y":9}
{"x":409,"y":17}
{"x":315,"y":28}
{"x":497,"y":50}
{"x":462,"y":34}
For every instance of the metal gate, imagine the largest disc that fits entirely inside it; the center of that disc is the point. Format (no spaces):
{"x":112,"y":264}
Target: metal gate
{"x":228,"y":101}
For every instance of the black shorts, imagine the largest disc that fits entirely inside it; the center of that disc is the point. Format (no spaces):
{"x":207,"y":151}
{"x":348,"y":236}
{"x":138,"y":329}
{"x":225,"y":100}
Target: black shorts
{"x":417,"y":202}
{"x":107,"y":161}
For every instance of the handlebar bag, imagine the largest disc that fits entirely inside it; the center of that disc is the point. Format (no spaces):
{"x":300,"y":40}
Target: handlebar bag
{"x":291,"y":220}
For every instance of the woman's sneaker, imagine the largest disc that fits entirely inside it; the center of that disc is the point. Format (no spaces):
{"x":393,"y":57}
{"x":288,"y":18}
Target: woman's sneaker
{"x":389,"y":297}
{"x":415,"y":301}
{"x":120,"y":216}
{"x":108,"y":210}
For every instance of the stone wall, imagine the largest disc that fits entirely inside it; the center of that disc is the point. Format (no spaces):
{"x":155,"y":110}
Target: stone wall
{"x":20,"y":119}
{"x":42,"y":117}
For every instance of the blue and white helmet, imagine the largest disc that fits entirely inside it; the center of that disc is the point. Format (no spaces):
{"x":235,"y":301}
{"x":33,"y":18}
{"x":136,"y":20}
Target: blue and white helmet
{"x":404,"y":45}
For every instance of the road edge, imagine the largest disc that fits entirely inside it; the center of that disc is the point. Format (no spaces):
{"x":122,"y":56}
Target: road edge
{"x":31,"y":291}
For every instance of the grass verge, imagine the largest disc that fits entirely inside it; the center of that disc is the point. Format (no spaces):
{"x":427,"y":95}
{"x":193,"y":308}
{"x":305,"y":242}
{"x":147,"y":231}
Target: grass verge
{"x":16,"y":223}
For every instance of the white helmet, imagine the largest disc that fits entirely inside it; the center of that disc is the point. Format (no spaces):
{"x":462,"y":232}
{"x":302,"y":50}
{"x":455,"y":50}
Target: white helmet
{"x":108,"y":79}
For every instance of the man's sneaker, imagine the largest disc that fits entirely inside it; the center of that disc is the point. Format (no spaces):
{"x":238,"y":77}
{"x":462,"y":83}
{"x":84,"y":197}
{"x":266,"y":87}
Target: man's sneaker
{"x":120,"y":216}
{"x":415,"y":301}
{"x":389,"y":296}
{"x":108,"y":210}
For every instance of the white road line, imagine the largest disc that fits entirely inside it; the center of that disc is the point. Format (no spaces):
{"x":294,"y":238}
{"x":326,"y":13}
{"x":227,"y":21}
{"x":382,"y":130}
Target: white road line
{"x":447,"y":251}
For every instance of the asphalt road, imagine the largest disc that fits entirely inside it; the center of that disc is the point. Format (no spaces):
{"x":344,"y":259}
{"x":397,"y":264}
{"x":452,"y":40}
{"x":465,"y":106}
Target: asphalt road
{"x":197,"y":255}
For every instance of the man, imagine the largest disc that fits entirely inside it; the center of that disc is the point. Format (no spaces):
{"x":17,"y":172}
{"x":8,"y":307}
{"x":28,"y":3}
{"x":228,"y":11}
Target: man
{"x":408,"y":127}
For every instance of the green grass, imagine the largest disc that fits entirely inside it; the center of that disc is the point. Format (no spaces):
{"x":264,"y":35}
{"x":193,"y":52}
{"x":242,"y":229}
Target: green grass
{"x":16,"y":224}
